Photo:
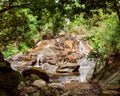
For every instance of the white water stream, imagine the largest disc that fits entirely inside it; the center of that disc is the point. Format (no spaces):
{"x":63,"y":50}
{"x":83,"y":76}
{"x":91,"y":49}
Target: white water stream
{"x":85,"y":66}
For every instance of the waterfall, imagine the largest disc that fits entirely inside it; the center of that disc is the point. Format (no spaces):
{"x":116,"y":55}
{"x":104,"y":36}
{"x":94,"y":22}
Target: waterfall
{"x":85,"y":64}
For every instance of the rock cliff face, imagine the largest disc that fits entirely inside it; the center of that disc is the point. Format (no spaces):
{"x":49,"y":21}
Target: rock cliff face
{"x":109,"y":76}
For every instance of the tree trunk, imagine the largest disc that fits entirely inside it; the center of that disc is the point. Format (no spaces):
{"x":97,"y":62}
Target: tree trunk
{"x":117,"y":9}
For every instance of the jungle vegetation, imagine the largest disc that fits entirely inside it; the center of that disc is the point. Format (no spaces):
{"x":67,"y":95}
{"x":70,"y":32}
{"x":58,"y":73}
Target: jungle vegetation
{"x":24,"y":22}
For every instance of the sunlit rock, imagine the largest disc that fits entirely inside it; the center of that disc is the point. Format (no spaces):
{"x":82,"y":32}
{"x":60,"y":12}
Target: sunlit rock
{"x":39,"y":83}
{"x":49,"y":54}
{"x":68,"y":67}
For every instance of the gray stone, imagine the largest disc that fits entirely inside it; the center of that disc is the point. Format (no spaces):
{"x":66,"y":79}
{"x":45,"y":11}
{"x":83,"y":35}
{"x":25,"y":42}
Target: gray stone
{"x":68,"y":67}
{"x":39,"y":83}
{"x":57,"y":86}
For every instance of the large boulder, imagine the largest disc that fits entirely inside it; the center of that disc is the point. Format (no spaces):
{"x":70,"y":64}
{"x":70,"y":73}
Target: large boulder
{"x":37,"y":71}
{"x":68,"y":67}
{"x":108,"y":77}
{"x":9,"y":79}
{"x":39,"y":83}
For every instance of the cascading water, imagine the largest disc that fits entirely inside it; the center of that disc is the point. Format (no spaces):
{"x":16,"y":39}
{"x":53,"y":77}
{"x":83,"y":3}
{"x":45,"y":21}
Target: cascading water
{"x":85,"y":66}
{"x":48,"y":55}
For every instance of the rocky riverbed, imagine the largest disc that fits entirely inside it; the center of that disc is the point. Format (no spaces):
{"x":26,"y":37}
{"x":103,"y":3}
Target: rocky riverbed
{"x":64,"y":56}
{"x":56,"y":67}
{"x":62,"y":61}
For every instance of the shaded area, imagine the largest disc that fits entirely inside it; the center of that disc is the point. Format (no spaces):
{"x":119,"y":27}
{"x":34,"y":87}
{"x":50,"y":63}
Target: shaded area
{"x":9,"y":79}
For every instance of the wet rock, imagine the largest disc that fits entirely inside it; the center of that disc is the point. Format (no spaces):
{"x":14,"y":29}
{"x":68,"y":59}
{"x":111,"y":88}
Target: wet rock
{"x":20,"y":61}
{"x":90,"y":74}
{"x":39,"y":83}
{"x":14,"y":57}
{"x":49,"y":68}
{"x":47,"y":55}
{"x":108,"y":77}
{"x":51,"y":51}
{"x":30,"y":89}
{"x":70,"y":56}
{"x":68,"y":67}
{"x":37,"y":71}
{"x":57,"y":86}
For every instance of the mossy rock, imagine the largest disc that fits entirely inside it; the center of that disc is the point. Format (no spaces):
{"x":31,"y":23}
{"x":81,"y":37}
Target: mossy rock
{"x":37,"y":71}
{"x":109,"y":77}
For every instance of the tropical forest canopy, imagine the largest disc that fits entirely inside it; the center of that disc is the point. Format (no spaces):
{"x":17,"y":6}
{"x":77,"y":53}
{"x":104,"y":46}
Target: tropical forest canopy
{"x":24,"y":22}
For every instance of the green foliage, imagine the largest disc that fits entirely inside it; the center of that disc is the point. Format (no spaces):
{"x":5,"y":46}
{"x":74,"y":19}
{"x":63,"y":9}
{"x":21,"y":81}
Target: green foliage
{"x":10,"y":51}
{"x":78,"y":26}
{"x":12,"y":25}
{"x":17,"y":27}
{"x":23,"y":47}
{"x":102,"y":30}
{"x":21,"y":21}
{"x":13,"y":49}
{"x":105,"y":38}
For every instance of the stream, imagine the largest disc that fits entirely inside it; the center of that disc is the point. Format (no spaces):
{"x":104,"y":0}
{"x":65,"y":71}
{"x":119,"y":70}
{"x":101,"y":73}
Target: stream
{"x":73,"y":50}
{"x":64,"y":61}
{"x":85,"y":67}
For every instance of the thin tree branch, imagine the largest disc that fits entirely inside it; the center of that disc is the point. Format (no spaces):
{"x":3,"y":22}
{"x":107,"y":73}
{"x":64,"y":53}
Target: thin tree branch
{"x":8,"y":8}
{"x":12,"y":7}
{"x":117,"y":9}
